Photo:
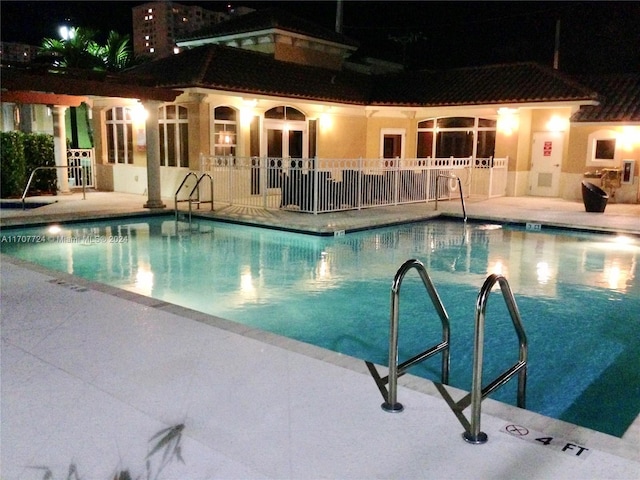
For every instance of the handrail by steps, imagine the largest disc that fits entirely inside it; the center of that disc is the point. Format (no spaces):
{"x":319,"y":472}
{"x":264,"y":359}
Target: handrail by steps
{"x":175,"y":197}
{"x":195,"y":189}
{"x":83,"y":174}
{"x":391,"y":403}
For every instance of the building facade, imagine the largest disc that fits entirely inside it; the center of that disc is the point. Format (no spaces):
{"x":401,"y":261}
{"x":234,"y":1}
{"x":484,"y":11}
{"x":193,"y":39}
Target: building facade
{"x":267,"y":90}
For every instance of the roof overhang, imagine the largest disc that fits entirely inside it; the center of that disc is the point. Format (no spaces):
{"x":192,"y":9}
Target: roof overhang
{"x":41,"y":98}
{"x":45,"y":86}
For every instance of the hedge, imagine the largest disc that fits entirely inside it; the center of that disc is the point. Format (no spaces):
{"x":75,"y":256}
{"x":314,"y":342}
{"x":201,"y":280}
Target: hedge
{"x":20,"y":154}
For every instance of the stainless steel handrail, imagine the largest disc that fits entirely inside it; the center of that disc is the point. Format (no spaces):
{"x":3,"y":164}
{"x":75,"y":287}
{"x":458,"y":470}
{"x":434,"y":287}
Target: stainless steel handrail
{"x":391,"y":403}
{"x":451,"y":177}
{"x":196,"y":188}
{"x":175,"y":197}
{"x":83,"y":174}
{"x":473,"y":433}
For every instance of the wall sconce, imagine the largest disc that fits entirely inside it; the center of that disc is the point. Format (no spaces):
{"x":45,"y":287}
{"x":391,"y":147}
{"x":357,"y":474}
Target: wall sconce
{"x":326,"y":121}
{"x":629,"y":137}
{"x":138,"y":114}
{"x":557,"y":124}
{"x":507,"y":120}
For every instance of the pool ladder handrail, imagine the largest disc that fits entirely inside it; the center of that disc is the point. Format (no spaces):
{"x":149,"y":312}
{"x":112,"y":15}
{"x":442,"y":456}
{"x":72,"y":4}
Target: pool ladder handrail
{"x":396,"y":370}
{"x":473,"y":433}
{"x":196,"y":190}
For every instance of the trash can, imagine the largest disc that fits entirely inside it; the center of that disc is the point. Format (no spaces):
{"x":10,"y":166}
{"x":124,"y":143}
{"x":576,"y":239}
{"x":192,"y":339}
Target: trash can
{"x":594,"y":198}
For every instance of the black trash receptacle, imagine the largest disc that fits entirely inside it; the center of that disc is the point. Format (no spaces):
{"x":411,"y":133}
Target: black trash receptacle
{"x":594,"y":198}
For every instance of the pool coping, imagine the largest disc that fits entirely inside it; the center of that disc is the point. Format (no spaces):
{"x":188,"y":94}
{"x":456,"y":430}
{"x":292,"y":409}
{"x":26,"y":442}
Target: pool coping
{"x":624,"y":447}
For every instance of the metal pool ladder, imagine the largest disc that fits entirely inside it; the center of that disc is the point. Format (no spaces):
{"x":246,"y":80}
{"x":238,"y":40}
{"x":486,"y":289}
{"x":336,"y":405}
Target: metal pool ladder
{"x":391,"y":403}
{"x":194,"y":190}
{"x":472,"y":433}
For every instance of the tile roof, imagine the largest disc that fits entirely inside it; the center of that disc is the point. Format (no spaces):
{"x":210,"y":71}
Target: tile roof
{"x":493,"y":84}
{"x":268,"y":19}
{"x":82,"y":83}
{"x":618,"y":96}
{"x":233,"y":69}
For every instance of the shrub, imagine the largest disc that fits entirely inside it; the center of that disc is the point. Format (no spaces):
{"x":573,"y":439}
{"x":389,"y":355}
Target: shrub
{"x":20,"y":154}
{"x":12,"y":164}
{"x":39,"y":152}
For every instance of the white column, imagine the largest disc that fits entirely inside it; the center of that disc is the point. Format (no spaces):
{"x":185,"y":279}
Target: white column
{"x":154,"y":189}
{"x":60,"y":147}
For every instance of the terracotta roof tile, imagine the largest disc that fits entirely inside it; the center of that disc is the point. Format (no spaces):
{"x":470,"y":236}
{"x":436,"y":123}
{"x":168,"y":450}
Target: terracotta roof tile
{"x":495,"y":84}
{"x":618,"y":97}
{"x":267,"y":19}
{"x":234,"y":69}
{"x":238,"y":70}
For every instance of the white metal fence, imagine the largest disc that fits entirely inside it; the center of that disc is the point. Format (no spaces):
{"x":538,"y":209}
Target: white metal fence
{"x":329,"y":185}
{"x":78,"y":158}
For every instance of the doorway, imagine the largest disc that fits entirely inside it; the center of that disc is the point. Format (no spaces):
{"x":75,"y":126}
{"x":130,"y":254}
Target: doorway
{"x":546,"y":161}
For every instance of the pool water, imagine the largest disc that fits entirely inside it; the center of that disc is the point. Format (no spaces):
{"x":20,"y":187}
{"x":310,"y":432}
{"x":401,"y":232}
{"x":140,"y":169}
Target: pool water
{"x":578,"y":295}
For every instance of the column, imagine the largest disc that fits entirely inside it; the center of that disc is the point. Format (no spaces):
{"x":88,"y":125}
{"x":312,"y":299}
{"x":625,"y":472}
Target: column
{"x":60,"y":147}
{"x":154,"y":189}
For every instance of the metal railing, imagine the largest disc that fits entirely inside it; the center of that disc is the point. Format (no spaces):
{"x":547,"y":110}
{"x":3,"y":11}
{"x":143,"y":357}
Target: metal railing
{"x":455,"y":177}
{"x":391,"y":403}
{"x":82,"y":177}
{"x":195,"y":190}
{"x":77,"y":158}
{"x":472,"y":433}
{"x":327,"y":185}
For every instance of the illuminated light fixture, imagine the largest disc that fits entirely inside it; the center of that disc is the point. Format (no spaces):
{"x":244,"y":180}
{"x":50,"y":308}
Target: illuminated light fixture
{"x":176,"y":50}
{"x":225,"y":137}
{"x":326,"y":121}
{"x":507,"y":120}
{"x":139,"y":114}
{"x":629,"y":137}
{"x":557,"y":124}
{"x":67,"y":33}
{"x":54,"y":229}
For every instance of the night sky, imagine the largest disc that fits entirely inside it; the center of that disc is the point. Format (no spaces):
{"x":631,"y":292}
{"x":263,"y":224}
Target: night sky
{"x":595,"y":37}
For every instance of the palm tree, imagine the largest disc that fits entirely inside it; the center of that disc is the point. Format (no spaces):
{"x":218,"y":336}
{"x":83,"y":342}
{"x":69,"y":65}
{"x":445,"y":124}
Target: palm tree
{"x":116,"y":54}
{"x":81,"y":51}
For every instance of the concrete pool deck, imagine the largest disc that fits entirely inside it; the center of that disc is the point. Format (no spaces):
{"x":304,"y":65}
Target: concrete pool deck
{"x":90,"y":373}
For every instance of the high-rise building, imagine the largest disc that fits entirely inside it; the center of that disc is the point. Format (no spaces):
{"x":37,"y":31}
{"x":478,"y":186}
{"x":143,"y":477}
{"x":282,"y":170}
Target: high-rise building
{"x":17,"y":53}
{"x":157,"y":25}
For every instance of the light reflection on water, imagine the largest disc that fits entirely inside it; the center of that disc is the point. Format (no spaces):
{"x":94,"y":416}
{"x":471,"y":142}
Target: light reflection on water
{"x":578,"y":294}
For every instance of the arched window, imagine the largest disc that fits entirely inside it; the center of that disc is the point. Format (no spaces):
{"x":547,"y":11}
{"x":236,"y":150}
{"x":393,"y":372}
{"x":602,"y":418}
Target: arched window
{"x":225,"y":131}
{"x":457,"y":137}
{"x":173,"y":123}
{"x":119,"y":125}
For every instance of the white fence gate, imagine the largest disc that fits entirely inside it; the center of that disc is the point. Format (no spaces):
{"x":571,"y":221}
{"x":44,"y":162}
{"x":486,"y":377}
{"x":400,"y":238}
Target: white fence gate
{"x":78,"y":158}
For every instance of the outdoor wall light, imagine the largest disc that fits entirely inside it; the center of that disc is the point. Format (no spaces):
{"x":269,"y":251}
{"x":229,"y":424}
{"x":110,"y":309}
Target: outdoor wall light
{"x":138,"y":114}
{"x":557,"y":124}
{"x":326,"y":121}
{"x":507,"y":120}
{"x":629,"y":137}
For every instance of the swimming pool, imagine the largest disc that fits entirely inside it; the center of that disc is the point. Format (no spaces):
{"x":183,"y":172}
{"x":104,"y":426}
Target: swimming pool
{"x":578,"y":294}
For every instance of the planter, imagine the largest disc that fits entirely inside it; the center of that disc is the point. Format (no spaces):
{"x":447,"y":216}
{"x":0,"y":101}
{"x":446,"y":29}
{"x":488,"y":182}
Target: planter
{"x":594,"y":198}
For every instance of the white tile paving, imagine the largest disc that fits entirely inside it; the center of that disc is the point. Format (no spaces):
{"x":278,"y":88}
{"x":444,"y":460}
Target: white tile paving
{"x":88,"y":377}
